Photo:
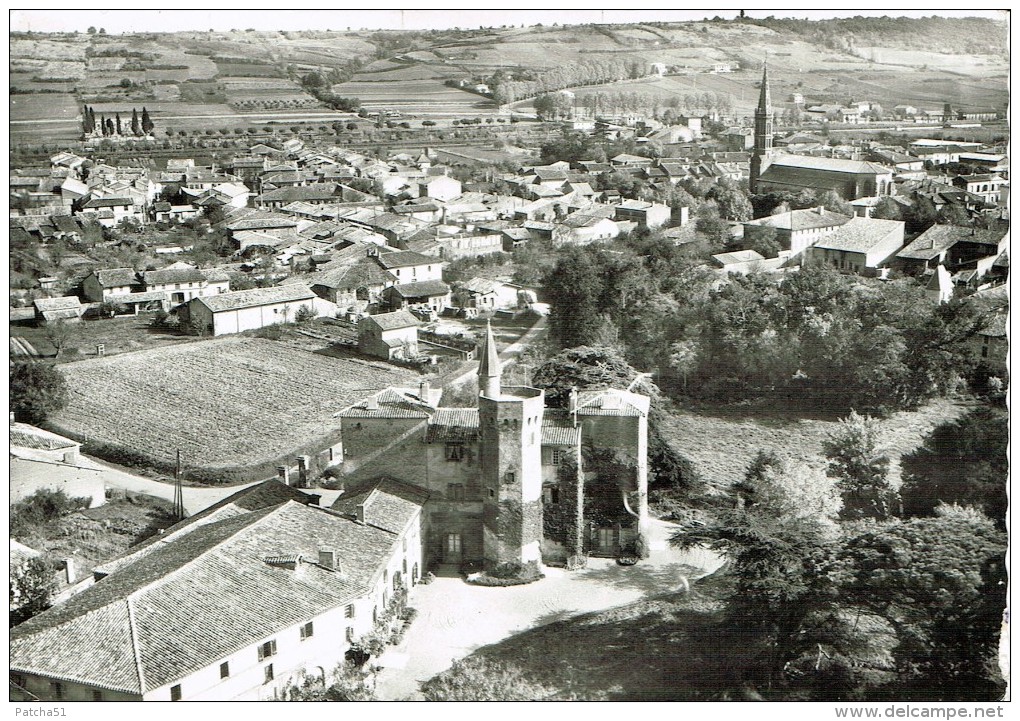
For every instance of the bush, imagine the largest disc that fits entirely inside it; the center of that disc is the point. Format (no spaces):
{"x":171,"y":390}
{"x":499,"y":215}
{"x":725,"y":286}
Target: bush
{"x":43,"y":506}
{"x":304,"y":314}
{"x":36,"y":391}
{"x":508,"y":574}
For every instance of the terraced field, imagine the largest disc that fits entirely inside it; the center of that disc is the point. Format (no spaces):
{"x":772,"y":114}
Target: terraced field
{"x":229,"y":404}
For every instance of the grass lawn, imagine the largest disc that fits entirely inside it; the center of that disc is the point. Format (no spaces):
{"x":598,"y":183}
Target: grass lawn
{"x":722,"y":441}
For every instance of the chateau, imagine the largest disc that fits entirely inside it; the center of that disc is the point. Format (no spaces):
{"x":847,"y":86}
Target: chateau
{"x":511,"y":480}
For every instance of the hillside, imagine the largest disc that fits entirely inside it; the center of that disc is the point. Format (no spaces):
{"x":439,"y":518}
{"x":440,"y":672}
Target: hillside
{"x":207,"y":81}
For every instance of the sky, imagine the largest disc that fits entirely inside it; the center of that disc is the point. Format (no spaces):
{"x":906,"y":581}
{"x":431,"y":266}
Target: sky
{"x":127,"y":20}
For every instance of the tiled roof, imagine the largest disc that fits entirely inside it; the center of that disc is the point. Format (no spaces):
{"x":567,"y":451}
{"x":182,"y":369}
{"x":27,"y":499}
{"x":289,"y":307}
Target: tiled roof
{"x":557,"y":430}
{"x":258,"y":223}
{"x":316,"y":191}
{"x":805,"y":219}
{"x":393,"y":321}
{"x":198,"y":600}
{"x":67,"y":302}
{"x":116,"y":277}
{"x":835,"y":165}
{"x":738,"y":256}
{"x":933,"y":241}
{"x":108,"y":202}
{"x":611,"y":402}
{"x":404,"y":259}
{"x":267,"y":494}
{"x":860,"y":235}
{"x":421,"y":289}
{"x":390,"y":403}
{"x":256,"y":297}
{"x":174,"y":275}
{"x":362,"y":272}
{"x":453,"y":424}
{"x":386,"y":503}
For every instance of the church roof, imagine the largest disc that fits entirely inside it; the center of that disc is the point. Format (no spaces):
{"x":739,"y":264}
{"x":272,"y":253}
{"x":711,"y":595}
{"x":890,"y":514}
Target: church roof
{"x":488,"y":363}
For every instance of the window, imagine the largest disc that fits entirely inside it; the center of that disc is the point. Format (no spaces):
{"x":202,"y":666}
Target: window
{"x":551,"y":495}
{"x":225,"y":670}
{"x":557,"y":456}
{"x":177,"y":286}
{"x":454,"y":451}
{"x":175,"y":693}
{"x":375,"y":614}
{"x":414,"y":573}
{"x":97,"y":695}
{"x":269,"y":673}
{"x":350,"y":634}
{"x":58,"y":689}
{"x":455,"y":491}
{"x":492,"y":493}
{"x":267,"y":649}
{"x":307,"y":631}
{"x":349,"y":611}
{"x":510,"y":477}
{"x":453,"y":543}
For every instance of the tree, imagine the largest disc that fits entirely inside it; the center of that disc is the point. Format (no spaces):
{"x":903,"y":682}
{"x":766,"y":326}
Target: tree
{"x":962,"y":461}
{"x":861,"y":470}
{"x":887,"y":209}
{"x":346,"y":682}
{"x":711,"y":225}
{"x":37,"y":391}
{"x":574,"y":288}
{"x":732,"y":201}
{"x":60,"y":332}
{"x":834,"y":203}
{"x":923,"y":576}
{"x":32,"y":584}
{"x":136,"y":128}
{"x":92,"y":30}
{"x":788,"y":490}
{"x":763,"y":240}
{"x":147,"y":124}
{"x":478,"y":679}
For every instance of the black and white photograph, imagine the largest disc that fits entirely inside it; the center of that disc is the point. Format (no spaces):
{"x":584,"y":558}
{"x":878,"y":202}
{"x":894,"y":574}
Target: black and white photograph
{"x":483,"y":355}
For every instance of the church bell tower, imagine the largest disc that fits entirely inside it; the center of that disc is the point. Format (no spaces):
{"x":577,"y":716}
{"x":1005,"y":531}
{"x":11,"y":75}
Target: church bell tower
{"x":764,"y":118}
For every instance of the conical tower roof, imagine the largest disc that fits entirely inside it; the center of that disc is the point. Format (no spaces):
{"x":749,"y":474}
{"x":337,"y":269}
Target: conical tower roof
{"x":488,"y":363}
{"x":765,"y":98}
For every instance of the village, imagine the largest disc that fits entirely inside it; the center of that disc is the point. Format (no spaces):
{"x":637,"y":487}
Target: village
{"x":288,"y":417}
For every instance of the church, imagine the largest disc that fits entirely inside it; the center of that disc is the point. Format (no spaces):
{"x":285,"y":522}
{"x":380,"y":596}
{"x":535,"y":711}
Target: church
{"x":510,"y":480}
{"x":773,"y":171}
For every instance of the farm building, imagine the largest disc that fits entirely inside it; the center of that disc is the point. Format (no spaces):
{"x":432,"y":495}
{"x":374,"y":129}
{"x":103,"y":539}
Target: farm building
{"x":486,"y":294}
{"x":859,"y":246}
{"x":181,"y":282}
{"x":67,"y":308}
{"x":433,"y":293}
{"x":100,"y":284}
{"x":288,"y":586}
{"x":252,"y":309}
{"x":407,"y":266}
{"x":119,"y":209}
{"x":646,"y":215}
{"x":389,"y":335}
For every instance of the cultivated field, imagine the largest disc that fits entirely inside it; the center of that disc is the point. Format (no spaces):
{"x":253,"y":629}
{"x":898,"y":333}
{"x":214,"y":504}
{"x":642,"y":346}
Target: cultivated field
{"x":234,"y":406}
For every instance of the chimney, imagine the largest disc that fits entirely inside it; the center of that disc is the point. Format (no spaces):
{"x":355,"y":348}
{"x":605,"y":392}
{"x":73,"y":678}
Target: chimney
{"x":327,"y":559}
{"x":12,"y":418}
{"x":423,"y":391}
{"x":821,"y":210}
{"x":69,"y":570}
{"x":283,"y":474}
{"x":372,"y":403}
{"x":303,"y":463}
{"x":71,"y":456}
{"x":572,"y":401}
{"x":359,"y":512}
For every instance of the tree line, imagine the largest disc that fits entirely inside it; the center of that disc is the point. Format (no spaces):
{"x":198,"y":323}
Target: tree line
{"x":139,"y":126}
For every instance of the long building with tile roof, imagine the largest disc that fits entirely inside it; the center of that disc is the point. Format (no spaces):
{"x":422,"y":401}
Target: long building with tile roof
{"x":231,"y":610}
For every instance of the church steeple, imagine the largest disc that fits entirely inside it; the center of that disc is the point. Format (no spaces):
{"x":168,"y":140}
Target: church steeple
{"x":763,"y":121}
{"x":489,"y":370}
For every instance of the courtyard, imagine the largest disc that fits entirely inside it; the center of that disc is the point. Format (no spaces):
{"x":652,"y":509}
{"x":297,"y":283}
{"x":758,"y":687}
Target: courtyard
{"x":455,"y":618}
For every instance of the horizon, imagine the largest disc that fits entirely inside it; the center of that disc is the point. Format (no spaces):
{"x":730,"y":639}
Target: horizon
{"x":119,"y":22}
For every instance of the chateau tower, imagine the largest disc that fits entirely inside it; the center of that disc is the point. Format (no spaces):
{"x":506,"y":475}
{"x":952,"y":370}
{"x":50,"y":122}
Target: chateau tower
{"x":510,"y":446}
{"x":764,"y":118}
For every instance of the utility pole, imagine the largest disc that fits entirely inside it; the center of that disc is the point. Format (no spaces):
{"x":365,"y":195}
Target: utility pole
{"x":178,"y":490}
